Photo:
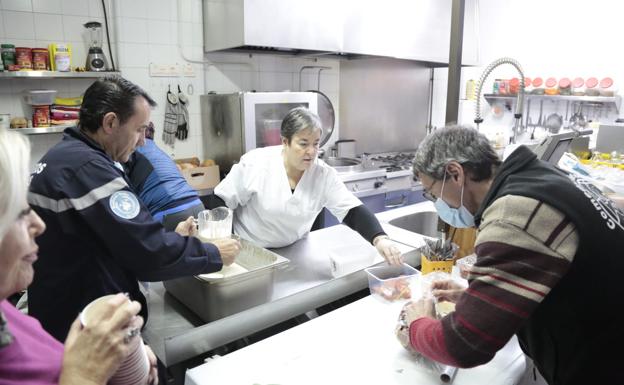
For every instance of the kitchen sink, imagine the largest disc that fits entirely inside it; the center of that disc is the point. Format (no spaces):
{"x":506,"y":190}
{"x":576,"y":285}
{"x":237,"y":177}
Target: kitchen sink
{"x":424,"y":223}
{"x":344,"y":164}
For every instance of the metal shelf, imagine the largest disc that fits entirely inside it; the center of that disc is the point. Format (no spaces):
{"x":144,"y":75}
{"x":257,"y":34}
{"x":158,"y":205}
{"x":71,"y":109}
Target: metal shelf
{"x":607,"y":100}
{"x":42,"y":130}
{"x":54,"y":75}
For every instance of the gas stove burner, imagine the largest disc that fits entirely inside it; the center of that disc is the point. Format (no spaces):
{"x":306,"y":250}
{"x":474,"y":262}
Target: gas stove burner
{"x":394,"y":168}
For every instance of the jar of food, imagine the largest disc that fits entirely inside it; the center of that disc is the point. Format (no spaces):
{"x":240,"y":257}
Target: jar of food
{"x":578,"y":87}
{"x":496,"y":86}
{"x":41,"y":61}
{"x":41,"y":116}
{"x":8,"y":55}
{"x":607,"y":87}
{"x":528,"y":87}
{"x":23,"y":57}
{"x":538,"y":88}
{"x":565,"y":86}
{"x":591,"y":87}
{"x":551,"y":87}
{"x":514,"y":86}
{"x":503,"y":86}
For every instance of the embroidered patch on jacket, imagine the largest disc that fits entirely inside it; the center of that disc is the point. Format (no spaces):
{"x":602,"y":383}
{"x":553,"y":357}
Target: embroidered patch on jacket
{"x":124,"y":204}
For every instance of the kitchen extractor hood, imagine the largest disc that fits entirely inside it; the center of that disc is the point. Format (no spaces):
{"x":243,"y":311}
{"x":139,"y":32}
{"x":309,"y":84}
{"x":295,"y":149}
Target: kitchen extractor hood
{"x":404,"y":29}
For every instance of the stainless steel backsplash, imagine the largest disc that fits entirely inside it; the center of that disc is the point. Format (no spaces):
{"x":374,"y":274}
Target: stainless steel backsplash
{"x":383,"y":104}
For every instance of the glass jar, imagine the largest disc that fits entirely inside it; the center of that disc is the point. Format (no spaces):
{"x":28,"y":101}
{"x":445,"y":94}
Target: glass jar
{"x":538,"y":86}
{"x":514,"y":86}
{"x":528,"y":87}
{"x":591,"y":87}
{"x":8,"y":55}
{"x":607,"y":87}
{"x":578,"y":87}
{"x":565,"y":86}
{"x":551,"y":87}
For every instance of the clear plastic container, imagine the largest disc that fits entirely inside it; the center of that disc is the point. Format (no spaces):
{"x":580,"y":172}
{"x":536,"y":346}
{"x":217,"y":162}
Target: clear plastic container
{"x":465,"y":264}
{"x":578,"y":87}
{"x":40,"y":97}
{"x":551,"y":87}
{"x":391,"y":282}
{"x":591,"y":87}
{"x":565,"y":86}
{"x":607,"y":87}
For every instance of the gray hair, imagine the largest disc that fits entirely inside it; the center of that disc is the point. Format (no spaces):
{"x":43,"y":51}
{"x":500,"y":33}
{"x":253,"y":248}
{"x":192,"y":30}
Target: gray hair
{"x":464,"y":145}
{"x":299,"y":119}
{"x":14,"y":164}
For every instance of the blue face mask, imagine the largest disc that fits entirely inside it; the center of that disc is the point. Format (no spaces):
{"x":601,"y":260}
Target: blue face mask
{"x":460,"y":218}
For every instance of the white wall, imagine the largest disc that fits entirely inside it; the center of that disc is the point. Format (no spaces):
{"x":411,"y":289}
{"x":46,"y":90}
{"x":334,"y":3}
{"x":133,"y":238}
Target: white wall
{"x":549,"y":38}
{"x":144,"y":32}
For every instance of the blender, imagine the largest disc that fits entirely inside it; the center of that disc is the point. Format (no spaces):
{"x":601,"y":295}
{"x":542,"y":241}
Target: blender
{"x":96,"y":61}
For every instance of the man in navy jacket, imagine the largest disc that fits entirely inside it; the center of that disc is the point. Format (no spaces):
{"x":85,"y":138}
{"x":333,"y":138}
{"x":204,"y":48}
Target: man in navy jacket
{"x":101,"y":239}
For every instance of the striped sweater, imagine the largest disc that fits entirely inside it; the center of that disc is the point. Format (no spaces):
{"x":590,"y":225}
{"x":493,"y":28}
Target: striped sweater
{"x":524,"y":247}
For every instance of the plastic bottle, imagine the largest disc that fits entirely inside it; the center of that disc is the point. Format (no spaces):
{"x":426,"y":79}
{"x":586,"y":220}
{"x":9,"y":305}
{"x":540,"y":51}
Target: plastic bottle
{"x":470,"y":89}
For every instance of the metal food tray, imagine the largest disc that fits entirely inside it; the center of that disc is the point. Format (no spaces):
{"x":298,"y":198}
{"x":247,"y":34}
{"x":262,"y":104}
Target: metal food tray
{"x":213,"y":298}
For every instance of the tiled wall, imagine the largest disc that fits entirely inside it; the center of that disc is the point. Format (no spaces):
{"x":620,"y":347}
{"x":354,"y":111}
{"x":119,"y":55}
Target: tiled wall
{"x":144,"y":32}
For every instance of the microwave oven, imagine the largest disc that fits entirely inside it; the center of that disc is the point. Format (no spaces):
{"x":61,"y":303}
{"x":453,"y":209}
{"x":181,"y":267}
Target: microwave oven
{"x":235,"y":123}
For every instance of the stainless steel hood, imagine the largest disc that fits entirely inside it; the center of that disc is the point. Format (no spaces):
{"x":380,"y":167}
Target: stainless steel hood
{"x":405,"y":29}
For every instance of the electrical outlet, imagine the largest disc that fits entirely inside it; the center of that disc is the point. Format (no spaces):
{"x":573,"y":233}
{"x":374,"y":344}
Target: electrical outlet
{"x":188,"y":70}
{"x":164,"y":69}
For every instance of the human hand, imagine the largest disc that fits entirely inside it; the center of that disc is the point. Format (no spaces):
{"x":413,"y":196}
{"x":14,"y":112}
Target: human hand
{"x":228,"y":248}
{"x":153,"y":374}
{"x":424,"y":307}
{"x":187,"y":227}
{"x":387,"y":249}
{"x":447,"y":290}
{"x":94,"y":352}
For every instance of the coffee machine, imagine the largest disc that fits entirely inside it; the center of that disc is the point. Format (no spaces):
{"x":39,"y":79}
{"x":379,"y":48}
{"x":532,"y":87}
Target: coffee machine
{"x":96,"y":61}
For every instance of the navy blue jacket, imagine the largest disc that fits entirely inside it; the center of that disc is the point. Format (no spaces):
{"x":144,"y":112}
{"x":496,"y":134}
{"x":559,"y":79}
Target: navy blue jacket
{"x":158,"y":181}
{"x":100,"y":239}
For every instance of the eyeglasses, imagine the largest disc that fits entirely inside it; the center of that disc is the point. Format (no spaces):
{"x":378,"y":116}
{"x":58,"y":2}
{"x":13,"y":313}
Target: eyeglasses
{"x":427,"y":195}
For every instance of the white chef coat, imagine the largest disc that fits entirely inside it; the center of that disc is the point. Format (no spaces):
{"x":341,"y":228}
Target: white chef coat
{"x":266,"y":211}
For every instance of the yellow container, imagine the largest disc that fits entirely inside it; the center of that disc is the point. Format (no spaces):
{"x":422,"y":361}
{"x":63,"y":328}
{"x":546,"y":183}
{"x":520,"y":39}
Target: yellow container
{"x":427,"y":266}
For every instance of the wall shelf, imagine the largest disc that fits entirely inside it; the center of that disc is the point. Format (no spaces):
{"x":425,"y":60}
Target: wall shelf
{"x":41,"y":130}
{"x":604,"y":100}
{"x":55,"y":75}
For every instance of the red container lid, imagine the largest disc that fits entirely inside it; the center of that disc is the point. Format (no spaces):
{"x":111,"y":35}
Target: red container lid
{"x":606,"y":82}
{"x":527,"y":81}
{"x":551,"y":82}
{"x":537,"y":82}
{"x":564,"y":83}
{"x":578,"y":82}
{"x":591,"y":82}
{"x":514,"y":82}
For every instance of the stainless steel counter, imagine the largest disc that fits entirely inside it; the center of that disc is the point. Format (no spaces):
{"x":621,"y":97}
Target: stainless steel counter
{"x":176,"y":334}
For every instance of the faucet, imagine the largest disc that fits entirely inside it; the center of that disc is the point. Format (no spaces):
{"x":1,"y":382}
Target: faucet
{"x":519,"y":101}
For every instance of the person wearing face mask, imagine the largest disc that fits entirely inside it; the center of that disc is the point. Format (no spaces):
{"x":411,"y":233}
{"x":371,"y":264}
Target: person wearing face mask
{"x":277,"y":192}
{"x":549,"y":254}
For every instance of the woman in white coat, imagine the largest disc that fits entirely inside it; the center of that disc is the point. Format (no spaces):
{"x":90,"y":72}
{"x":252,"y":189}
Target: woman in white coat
{"x":277,"y":192}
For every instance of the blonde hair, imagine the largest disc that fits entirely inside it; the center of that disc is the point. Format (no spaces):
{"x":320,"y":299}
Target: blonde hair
{"x":14,"y":165}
